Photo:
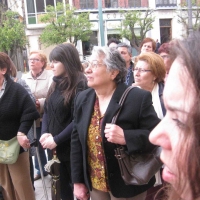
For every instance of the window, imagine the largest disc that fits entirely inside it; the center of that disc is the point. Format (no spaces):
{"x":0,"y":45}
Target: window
{"x":166,"y":3}
{"x":134,"y":3}
{"x":86,"y":4}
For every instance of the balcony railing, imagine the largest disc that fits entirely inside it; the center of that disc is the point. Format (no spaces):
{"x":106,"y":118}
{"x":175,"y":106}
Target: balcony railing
{"x":166,"y":3}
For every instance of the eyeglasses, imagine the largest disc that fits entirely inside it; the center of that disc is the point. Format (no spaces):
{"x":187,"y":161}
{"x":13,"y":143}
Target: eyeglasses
{"x":141,"y":70}
{"x":93,"y":64}
{"x":34,"y":60}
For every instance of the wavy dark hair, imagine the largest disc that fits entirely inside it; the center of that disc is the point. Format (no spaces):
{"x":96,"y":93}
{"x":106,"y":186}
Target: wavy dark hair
{"x":68,"y":55}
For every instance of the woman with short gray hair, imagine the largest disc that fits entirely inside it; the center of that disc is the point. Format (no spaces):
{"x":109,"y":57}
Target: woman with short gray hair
{"x":95,"y":170}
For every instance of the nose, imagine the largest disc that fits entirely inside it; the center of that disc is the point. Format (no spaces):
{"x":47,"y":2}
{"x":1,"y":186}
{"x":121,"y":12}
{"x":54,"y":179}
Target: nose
{"x":160,"y":135}
{"x":51,"y":64}
{"x":88,"y":69}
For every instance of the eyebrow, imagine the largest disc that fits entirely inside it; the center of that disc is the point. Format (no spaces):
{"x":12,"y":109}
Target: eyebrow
{"x":173,"y":107}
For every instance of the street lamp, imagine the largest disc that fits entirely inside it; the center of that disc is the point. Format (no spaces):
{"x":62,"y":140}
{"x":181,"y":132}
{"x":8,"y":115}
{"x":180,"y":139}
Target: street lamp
{"x":101,"y":29}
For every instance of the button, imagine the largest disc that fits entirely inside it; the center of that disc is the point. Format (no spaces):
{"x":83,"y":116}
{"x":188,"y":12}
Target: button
{"x":99,"y":152}
{"x":97,"y":137}
{"x":111,"y":175}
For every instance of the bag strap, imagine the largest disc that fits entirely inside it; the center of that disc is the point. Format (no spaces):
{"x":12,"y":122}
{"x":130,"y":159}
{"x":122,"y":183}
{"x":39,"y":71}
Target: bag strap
{"x":121,"y":102}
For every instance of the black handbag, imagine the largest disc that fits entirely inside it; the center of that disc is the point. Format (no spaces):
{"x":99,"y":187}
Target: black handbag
{"x":136,"y":169}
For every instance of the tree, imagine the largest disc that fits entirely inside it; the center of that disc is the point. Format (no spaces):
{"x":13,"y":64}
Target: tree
{"x":13,"y":37}
{"x":182,"y":14}
{"x":134,"y":19}
{"x":65,"y":24}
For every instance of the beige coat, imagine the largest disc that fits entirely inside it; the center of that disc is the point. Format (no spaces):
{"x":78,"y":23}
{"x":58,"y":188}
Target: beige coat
{"x":40,"y":86}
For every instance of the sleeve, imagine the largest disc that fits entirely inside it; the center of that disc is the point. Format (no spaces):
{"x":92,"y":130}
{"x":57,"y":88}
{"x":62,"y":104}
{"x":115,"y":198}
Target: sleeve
{"x":137,"y":140}
{"x":76,"y":152}
{"x":29,"y":112}
{"x":44,"y":124}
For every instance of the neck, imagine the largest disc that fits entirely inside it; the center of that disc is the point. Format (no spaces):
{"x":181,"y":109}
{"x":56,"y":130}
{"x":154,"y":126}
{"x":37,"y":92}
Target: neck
{"x":1,"y":82}
{"x":128,"y":64}
{"x":149,"y":88}
{"x":35,"y":72}
{"x":105,"y":92}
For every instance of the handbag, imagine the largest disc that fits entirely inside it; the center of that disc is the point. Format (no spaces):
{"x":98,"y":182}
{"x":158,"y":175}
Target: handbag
{"x":9,"y":151}
{"x":137,"y":168}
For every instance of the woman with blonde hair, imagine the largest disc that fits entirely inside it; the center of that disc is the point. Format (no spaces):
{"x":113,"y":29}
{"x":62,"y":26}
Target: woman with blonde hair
{"x":39,"y":80}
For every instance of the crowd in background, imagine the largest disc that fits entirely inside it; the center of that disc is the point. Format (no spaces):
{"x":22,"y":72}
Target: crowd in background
{"x":73,"y":105}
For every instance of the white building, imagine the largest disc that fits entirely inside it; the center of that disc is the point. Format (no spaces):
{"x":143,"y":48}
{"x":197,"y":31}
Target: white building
{"x":165,"y":25}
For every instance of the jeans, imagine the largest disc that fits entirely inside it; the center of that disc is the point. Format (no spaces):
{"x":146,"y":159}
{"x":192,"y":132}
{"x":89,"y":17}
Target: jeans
{"x":42,"y":154}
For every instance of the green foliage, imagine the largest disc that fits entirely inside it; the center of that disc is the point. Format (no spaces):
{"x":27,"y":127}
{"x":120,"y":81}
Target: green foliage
{"x":64,"y":24}
{"x":182,"y":15}
{"x":12,"y":34}
{"x":137,"y":20}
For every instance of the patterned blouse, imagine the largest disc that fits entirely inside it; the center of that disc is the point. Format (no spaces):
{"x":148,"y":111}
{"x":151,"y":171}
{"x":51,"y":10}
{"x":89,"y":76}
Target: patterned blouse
{"x":96,"y":157}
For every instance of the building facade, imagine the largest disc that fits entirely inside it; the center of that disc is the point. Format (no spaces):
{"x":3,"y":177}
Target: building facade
{"x":165,"y":26}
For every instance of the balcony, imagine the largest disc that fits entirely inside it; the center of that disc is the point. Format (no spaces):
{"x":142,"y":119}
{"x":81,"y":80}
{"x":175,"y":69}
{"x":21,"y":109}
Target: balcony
{"x":166,"y":3}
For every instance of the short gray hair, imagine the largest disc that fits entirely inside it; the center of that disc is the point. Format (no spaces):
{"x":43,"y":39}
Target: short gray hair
{"x":113,"y":61}
{"x":129,"y":48}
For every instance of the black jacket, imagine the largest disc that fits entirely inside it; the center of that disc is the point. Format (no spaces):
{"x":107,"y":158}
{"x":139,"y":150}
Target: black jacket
{"x":137,"y":119}
{"x":17,"y":111}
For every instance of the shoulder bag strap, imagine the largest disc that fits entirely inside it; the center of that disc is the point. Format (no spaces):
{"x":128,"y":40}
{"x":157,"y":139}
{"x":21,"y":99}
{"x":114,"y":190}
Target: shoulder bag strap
{"x":121,"y":102}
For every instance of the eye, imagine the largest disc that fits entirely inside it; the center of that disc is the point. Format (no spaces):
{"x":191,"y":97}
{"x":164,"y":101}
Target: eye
{"x":180,"y":125}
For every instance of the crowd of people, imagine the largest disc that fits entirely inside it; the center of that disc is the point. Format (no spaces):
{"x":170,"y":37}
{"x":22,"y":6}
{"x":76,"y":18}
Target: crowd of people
{"x":73,"y":107}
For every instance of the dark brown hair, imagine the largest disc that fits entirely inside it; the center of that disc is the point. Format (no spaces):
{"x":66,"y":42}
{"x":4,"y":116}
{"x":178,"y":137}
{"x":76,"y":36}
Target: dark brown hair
{"x":68,"y":55}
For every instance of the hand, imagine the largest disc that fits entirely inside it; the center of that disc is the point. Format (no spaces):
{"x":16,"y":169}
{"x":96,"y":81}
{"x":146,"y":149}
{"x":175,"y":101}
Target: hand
{"x":114,"y":134}
{"x":48,"y":142}
{"x":81,"y":192}
{"x":44,"y":137}
{"x":23,"y":140}
{"x":37,"y":104}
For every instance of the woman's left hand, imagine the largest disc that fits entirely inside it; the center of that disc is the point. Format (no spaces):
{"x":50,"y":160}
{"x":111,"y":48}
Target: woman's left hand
{"x":48,"y":142}
{"x":114,"y":134}
{"x":23,"y":140}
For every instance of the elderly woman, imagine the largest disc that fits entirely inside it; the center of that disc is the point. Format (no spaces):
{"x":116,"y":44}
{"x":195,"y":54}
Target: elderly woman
{"x":39,"y":80}
{"x":178,"y":133}
{"x":95,"y":169}
{"x":17,"y":115}
{"x":149,"y":74}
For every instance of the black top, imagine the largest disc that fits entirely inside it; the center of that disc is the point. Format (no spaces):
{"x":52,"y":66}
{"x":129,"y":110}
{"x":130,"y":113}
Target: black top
{"x":17,"y":111}
{"x":137,"y":118}
{"x":57,"y":119}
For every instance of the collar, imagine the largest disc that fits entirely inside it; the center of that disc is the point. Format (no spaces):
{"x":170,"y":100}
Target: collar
{"x":37,"y":75}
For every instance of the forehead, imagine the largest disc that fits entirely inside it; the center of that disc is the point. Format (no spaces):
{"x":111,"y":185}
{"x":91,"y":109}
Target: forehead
{"x":141,"y":64}
{"x":122,"y":49}
{"x":35,"y":55}
{"x":148,"y":44}
{"x":179,"y":90}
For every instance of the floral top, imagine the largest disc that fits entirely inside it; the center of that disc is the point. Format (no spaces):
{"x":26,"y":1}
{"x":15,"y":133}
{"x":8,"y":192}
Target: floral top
{"x":96,"y":157}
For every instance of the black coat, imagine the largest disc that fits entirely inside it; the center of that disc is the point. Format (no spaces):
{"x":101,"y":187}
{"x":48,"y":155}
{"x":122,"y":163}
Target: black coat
{"x":137,"y":119}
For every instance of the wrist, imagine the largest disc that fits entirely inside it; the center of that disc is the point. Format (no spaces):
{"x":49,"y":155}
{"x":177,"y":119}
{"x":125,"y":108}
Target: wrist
{"x":20,"y":134}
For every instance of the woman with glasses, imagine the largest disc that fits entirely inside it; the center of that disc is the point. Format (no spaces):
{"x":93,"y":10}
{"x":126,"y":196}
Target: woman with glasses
{"x":39,"y":80}
{"x":149,"y":74}
{"x":95,"y":169}
{"x":163,"y":51}
{"x":68,"y":80}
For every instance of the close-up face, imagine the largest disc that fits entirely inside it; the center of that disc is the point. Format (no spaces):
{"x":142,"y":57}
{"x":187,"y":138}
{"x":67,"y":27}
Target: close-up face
{"x":167,"y":61}
{"x":58,"y":68}
{"x":97,"y":74}
{"x":35,"y":62}
{"x":143,"y":76}
{"x":170,"y":133}
{"x":147,"y":47}
{"x":125,"y":54}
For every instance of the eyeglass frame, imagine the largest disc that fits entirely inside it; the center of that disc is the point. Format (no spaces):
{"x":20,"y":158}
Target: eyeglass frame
{"x":34,"y":60}
{"x":141,"y":70}
{"x":91,"y":65}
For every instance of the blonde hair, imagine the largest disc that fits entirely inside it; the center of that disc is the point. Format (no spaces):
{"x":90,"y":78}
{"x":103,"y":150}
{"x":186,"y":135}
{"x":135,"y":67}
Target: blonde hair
{"x":42,"y":56}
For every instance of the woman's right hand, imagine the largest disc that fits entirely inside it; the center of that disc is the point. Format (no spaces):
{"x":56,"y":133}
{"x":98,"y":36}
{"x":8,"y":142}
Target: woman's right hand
{"x":44,"y":137}
{"x":81,"y":192}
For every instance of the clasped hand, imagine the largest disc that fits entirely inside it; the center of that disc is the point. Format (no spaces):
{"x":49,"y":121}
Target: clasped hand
{"x":47,"y":141}
{"x":114,"y":134}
